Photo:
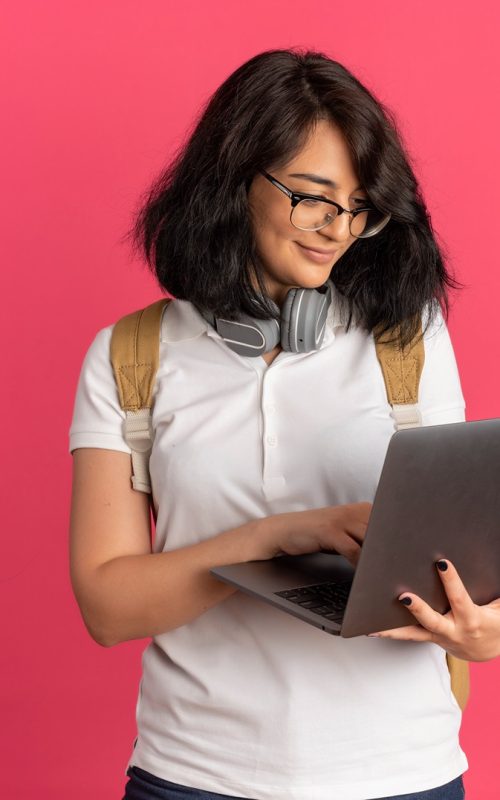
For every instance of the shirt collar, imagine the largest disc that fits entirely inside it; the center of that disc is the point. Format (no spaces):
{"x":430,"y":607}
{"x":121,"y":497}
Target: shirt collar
{"x":185,"y":322}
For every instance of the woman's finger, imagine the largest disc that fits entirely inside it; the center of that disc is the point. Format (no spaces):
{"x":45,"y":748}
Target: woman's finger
{"x":462,"y":605}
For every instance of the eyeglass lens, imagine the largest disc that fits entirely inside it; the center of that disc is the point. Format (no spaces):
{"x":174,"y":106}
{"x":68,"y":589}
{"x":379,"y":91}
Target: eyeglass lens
{"x":314,"y":214}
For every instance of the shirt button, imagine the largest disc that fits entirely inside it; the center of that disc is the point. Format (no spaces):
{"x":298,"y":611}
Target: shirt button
{"x":271,"y":440}
{"x":270,"y":408}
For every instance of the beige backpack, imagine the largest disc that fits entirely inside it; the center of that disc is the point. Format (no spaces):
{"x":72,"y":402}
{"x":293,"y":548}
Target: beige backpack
{"x":134,"y":352}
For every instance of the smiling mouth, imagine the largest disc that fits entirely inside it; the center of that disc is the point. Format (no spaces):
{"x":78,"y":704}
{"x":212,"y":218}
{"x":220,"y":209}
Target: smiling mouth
{"x":315,"y":250}
{"x":316,"y":257}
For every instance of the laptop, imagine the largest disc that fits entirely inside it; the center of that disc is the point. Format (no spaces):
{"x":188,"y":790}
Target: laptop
{"x":438,"y":497}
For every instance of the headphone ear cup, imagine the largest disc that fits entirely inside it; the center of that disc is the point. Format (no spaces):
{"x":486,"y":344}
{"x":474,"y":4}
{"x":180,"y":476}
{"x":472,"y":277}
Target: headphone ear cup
{"x":248,"y":336}
{"x":288,"y":313}
{"x":303,"y":318}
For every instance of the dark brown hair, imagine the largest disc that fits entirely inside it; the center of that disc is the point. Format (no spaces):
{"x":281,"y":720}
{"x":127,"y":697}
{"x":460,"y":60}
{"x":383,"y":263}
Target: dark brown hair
{"x":193,"y":224}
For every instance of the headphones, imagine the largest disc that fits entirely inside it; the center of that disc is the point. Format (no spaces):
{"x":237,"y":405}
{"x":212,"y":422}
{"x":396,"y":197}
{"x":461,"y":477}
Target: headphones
{"x":302,"y":328}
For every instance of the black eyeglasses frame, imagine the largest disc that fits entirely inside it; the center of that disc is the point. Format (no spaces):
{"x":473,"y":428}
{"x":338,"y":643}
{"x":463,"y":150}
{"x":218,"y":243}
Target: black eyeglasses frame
{"x":296,"y":197}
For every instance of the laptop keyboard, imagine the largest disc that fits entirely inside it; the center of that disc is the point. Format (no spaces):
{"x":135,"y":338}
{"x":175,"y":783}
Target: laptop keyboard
{"x":326,"y":599}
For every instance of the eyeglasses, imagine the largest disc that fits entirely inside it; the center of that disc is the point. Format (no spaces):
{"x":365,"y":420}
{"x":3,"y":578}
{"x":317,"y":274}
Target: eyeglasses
{"x":310,"y":213}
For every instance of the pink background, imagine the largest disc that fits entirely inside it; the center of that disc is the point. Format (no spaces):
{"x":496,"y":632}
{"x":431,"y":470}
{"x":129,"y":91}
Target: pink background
{"x":97,"y":95}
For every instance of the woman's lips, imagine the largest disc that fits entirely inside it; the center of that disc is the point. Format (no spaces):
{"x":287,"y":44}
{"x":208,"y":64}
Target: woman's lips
{"x":318,"y":258}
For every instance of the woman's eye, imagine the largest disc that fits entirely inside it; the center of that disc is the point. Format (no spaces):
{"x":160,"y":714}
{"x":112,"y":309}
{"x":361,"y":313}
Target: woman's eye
{"x":360,"y":202}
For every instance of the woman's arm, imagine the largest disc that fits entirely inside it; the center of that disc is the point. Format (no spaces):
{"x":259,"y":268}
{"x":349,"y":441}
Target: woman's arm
{"x":125,"y":591}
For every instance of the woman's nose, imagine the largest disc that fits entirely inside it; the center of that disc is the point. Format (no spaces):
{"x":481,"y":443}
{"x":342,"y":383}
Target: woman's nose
{"x":338,"y":228}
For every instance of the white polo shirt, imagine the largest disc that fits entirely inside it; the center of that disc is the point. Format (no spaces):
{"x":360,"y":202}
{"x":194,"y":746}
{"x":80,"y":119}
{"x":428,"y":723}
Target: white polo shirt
{"x":247,"y":700}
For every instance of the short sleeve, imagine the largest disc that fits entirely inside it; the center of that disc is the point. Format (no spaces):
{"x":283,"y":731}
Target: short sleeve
{"x":440,"y":393}
{"x":98,"y":419}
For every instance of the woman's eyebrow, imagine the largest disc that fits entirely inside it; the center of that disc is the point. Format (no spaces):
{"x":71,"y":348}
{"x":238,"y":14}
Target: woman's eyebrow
{"x":318,"y":179}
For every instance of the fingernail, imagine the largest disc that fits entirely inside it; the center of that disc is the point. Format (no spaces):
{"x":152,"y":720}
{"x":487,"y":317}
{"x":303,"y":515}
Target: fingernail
{"x":406,"y":600}
{"x":373,"y":634}
{"x":442,"y":565}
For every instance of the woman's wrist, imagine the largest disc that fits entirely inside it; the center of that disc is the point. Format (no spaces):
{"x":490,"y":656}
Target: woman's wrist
{"x":265,"y":541}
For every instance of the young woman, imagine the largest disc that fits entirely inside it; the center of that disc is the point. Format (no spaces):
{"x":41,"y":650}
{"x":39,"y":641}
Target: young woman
{"x":293,"y":181}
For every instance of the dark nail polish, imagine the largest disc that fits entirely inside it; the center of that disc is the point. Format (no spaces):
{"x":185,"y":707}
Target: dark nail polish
{"x":442,"y":565}
{"x":406,"y":601}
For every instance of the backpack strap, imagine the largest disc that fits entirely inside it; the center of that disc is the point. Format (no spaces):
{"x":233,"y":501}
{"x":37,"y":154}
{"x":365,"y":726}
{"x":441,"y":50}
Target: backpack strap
{"x":135,"y":355}
{"x":402,"y":369}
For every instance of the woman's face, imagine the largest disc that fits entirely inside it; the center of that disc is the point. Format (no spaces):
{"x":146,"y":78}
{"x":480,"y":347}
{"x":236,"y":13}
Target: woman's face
{"x":281,"y":245}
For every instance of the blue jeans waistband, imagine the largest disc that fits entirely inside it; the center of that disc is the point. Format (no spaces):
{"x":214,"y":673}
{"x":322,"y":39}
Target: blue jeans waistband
{"x":143,"y":785}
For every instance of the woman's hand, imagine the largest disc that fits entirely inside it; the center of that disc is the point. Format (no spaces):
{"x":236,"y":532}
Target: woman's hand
{"x":467,"y":631}
{"x":337,"y":529}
